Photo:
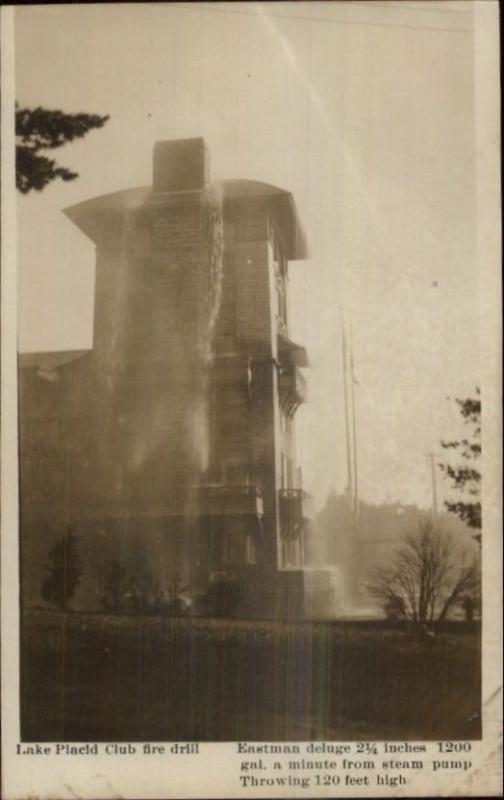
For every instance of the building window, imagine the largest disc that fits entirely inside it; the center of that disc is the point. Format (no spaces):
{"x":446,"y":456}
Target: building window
{"x":250,"y":549}
{"x":285,"y":423}
{"x":281,"y":301}
{"x":278,"y":250}
{"x":286,"y":472}
{"x":227,"y":313}
{"x":290,"y":554}
{"x":290,"y":473}
{"x":235,"y":473}
{"x":229,"y":550}
{"x":218,"y":550}
{"x":302,"y":550}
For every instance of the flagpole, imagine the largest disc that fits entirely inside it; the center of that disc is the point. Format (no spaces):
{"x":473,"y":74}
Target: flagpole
{"x":351,"y":563}
{"x":347,"y":420}
{"x":430,"y":456}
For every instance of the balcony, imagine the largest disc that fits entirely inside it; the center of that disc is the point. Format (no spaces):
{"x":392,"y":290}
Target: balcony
{"x":217,"y":500}
{"x":291,"y":353}
{"x":292,"y":388}
{"x":184,"y":501}
{"x":295,"y":511}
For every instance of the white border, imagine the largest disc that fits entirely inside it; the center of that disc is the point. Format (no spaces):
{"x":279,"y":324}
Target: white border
{"x":9,"y":440}
{"x":214,"y":773}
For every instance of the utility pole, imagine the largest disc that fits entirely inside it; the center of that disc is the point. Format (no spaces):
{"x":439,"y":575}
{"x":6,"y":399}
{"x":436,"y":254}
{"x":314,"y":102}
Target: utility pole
{"x":351,"y":470}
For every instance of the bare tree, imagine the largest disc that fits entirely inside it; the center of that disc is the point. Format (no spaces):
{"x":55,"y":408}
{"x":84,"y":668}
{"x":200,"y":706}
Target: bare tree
{"x":427,"y":577}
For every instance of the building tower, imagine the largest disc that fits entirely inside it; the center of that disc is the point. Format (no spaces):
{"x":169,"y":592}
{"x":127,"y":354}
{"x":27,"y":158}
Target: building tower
{"x":170,"y":445}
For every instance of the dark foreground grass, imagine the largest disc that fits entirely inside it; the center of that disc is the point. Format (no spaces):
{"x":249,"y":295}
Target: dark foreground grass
{"x":103,"y":678}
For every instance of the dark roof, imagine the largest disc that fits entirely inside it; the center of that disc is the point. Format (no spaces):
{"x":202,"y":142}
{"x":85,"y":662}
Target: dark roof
{"x":50,"y":360}
{"x":241,"y":188}
{"x":89,"y":214}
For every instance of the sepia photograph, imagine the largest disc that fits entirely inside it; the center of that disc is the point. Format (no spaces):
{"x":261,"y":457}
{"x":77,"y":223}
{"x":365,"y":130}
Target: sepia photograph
{"x":249,"y":376}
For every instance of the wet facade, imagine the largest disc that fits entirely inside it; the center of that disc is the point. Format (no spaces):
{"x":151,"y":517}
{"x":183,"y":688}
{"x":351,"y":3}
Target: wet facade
{"x":169,"y":448}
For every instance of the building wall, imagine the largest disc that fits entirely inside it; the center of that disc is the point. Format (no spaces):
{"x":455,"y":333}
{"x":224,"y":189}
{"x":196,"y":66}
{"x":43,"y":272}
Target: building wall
{"x":180,"y":390}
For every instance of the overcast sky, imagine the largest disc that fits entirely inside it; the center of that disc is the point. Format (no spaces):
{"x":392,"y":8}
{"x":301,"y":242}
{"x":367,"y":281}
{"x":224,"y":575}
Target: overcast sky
{"x":366,"y":113}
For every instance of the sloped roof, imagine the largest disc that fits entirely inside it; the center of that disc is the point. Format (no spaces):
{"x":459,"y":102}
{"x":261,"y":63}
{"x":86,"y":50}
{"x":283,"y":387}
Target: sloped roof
{"x":89,"y":215}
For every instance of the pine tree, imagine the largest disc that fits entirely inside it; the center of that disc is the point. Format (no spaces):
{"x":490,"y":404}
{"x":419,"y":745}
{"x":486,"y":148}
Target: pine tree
{"x":63,"y":573}
{"x":41,"y":129}
{"x":466,"y":477}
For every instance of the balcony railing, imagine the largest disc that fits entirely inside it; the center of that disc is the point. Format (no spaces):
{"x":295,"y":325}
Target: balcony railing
{"x":293,"y":389}
{"x":214,"y":500}
{"x":190,"y":501}
{"x":295,"y":511}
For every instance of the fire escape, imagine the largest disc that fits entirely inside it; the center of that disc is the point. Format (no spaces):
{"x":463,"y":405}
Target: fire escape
{"x":295,"y":507}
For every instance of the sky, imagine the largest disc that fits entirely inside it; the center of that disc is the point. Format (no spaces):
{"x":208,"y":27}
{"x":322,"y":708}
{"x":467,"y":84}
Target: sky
{"x":365,"y":112}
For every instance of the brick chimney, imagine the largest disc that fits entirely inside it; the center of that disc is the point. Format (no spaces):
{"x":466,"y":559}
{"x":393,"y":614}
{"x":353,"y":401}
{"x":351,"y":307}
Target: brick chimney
{"x":180,"y":165}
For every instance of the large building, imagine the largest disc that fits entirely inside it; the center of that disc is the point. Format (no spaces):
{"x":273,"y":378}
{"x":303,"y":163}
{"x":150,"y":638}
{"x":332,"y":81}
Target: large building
{"x":169,"y":448}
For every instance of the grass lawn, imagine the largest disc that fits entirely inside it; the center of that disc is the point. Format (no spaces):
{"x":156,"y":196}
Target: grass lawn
{"x":89,"y":677}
